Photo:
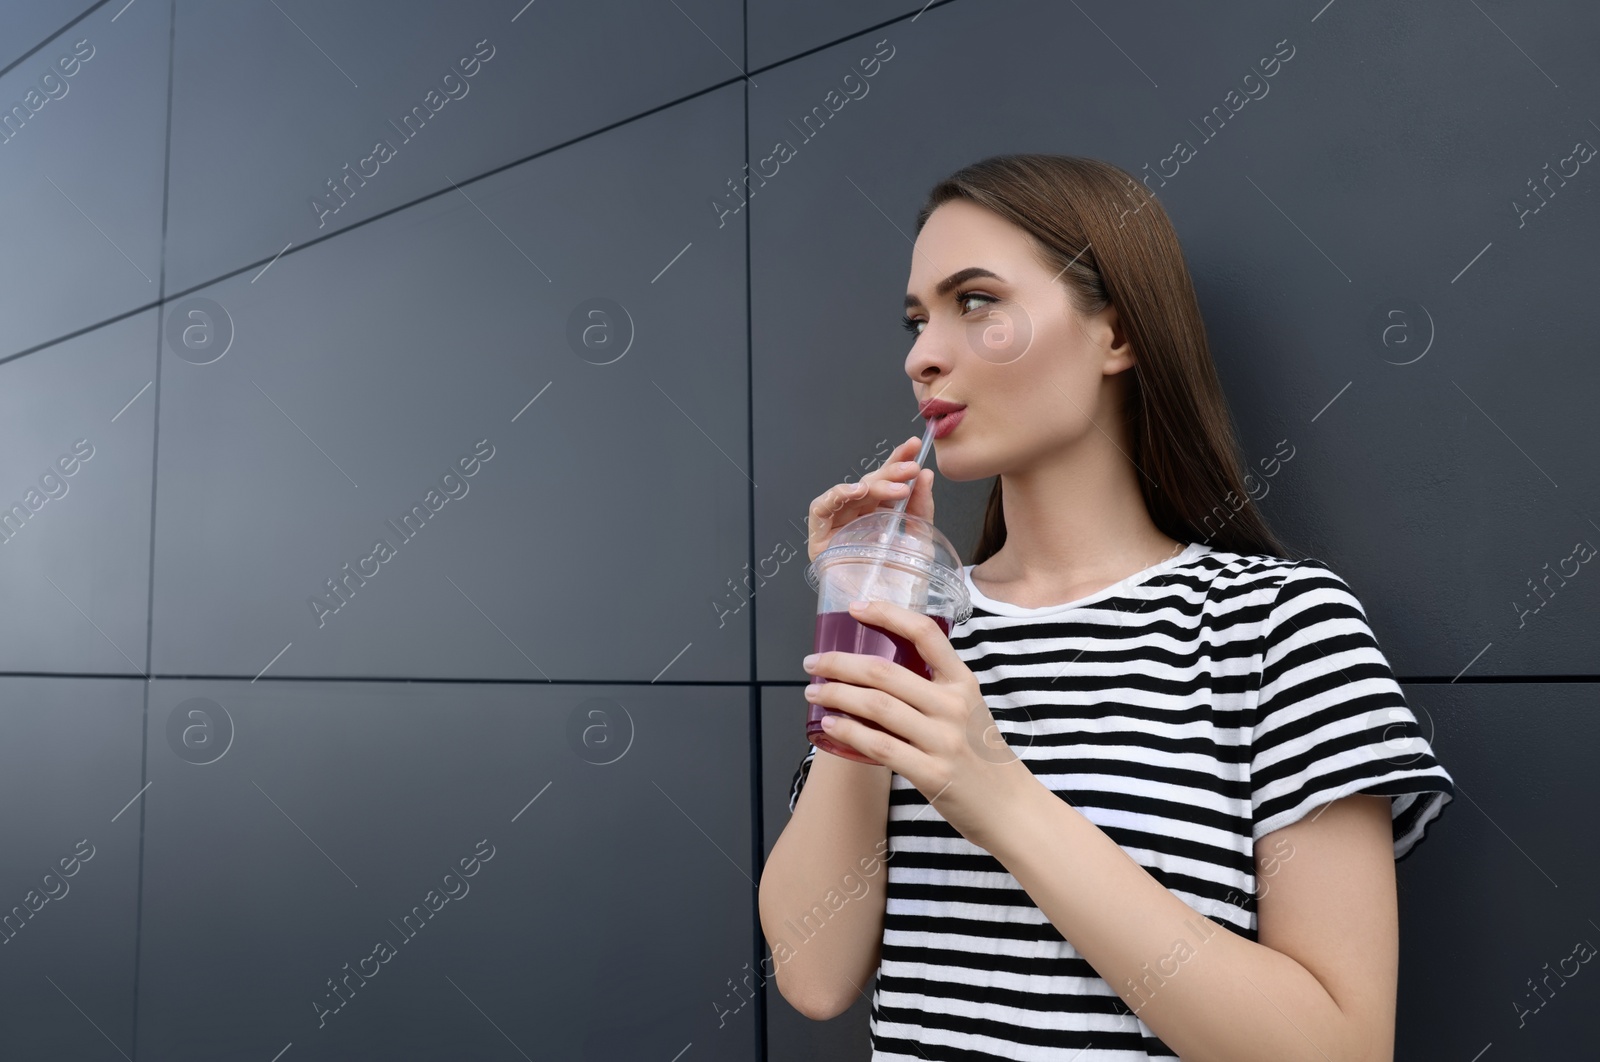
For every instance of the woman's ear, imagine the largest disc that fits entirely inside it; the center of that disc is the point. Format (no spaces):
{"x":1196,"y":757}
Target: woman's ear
{"x":1119,"y":356}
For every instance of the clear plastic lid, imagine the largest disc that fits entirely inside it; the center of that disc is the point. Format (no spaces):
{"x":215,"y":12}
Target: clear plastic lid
{"x":899,"y":545}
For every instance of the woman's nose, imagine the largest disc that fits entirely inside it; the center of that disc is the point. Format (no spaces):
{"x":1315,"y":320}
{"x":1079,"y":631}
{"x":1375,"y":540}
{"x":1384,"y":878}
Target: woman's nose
{"x":927,"y":359}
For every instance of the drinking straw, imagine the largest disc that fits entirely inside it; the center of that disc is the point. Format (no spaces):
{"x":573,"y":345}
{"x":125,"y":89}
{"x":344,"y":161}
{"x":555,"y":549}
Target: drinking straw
{"x":899,"y":507}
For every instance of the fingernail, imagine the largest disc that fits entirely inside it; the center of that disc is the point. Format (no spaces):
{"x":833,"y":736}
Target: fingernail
{"x":809,"y":661}
{"x":857,"y":606}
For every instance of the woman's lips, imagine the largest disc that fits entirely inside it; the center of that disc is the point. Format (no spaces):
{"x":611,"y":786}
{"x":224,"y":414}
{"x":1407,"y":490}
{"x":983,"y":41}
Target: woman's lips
{"x":946,"y":424}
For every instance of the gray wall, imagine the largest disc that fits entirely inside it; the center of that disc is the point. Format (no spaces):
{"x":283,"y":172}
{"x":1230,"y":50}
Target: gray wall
{"x":540,"y":722}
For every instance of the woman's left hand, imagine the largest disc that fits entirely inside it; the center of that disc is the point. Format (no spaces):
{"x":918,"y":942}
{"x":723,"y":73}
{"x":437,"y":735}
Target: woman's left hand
{"x":940,"y":733}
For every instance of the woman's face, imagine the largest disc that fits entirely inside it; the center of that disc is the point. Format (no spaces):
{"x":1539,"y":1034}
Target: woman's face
{"x":1034,"y":375}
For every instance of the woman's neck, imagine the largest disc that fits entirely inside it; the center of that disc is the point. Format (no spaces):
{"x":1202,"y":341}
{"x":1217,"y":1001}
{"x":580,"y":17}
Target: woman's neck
{"x":1073,"y":527}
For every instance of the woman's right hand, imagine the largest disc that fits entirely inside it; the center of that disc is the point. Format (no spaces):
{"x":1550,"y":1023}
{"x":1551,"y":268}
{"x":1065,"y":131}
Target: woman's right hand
{"x":881,"y":488}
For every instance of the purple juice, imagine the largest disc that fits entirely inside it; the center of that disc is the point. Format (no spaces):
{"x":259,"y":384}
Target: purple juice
{"x":842,"y":632}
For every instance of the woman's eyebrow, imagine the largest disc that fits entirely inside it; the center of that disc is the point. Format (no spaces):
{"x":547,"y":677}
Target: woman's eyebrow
{"x":944,"y":286}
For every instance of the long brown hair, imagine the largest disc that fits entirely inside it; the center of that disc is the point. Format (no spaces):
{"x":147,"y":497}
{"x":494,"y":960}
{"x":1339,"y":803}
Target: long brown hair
{"x":1112,"y":244}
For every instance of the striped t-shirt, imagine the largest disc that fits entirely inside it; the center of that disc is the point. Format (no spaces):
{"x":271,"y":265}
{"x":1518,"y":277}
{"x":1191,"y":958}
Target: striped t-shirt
{"x":1188,"y":711}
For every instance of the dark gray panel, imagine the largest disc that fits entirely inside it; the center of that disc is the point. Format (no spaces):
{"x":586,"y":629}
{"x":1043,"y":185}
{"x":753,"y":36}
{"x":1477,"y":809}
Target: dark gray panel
{"x":783,"y":743}
{"x":1431,"y":486}
{"x":779,"y":29}
{"x":22,"y":26}
{"x":791,"y":1036}
{"x":610,"y":520}
{"x":81,"y":167}
{"x":69,"y":885}
{"x":1510,"y":858}
{"x":610,"y":900}
{"x":76,"y":423}
{"x":272,"y":101}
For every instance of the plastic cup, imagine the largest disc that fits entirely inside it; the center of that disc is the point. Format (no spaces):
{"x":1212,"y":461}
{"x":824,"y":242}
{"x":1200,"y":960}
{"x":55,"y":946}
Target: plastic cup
{"x":887,"y":555}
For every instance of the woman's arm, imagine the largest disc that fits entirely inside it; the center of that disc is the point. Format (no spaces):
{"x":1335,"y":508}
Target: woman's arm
{"x":1320,"y":986}
{"x":821,"y":895}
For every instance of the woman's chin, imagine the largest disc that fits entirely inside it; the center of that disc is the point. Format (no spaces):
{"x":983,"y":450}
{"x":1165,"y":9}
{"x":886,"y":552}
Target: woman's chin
{"x":959,"y":468}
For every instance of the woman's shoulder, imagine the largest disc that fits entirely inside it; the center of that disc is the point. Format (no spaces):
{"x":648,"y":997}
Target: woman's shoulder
{"x":1243,"y":572}
{"x":1284,"y":599}
{"x":1255,"y":567}
{"x":1270,"y":570}
{"x":1263,"y":588}
{"x":1243,"y":563}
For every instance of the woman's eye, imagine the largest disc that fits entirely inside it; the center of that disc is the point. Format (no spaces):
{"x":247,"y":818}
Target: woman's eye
{"x":910,"y":325}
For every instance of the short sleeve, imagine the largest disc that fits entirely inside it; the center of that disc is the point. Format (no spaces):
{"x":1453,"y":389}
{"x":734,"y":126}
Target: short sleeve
{"x":1330,"y":718}
{"x":801,"y":773}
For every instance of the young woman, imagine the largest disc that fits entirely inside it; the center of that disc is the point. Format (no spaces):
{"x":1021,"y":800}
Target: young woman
{"x":1149,"y":804}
